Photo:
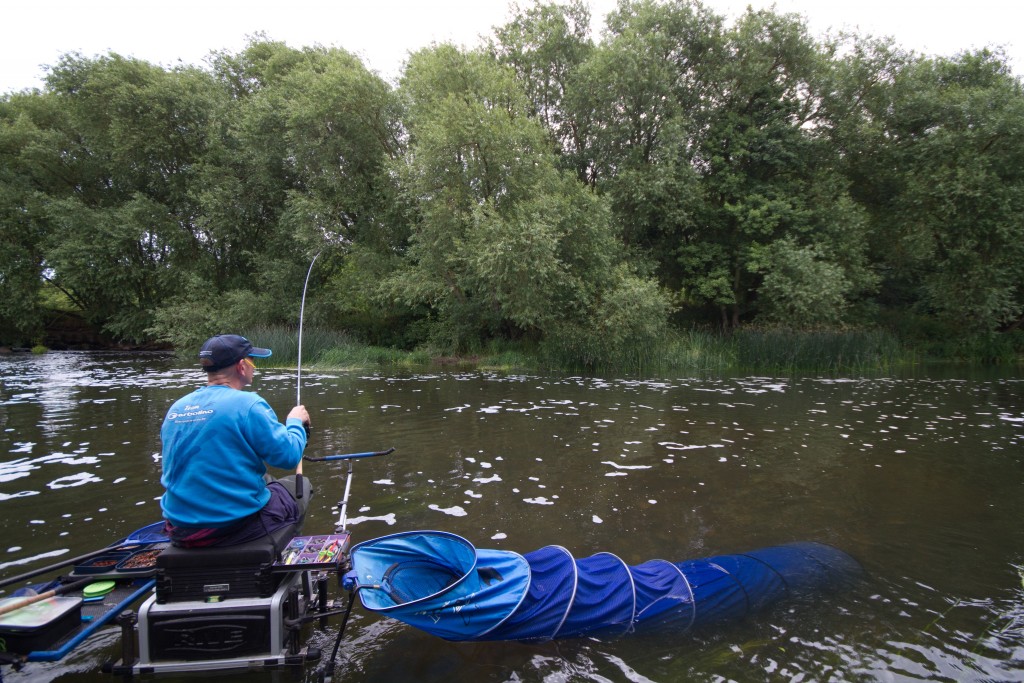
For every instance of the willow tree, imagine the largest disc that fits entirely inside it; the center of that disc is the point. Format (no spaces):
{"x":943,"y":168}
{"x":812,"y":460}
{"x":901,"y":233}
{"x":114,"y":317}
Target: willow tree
{"x":704,"y":139}
{"x":298,"y":164}
{"x":104,"y":156}
{"x":639,"y":101}
{"x":545,"y":44}
{"x":27,"y":174}
{"x":505,"y":244}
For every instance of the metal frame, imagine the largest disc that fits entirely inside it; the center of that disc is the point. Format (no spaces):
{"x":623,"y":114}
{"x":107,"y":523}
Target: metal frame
{"x":275,"y":607}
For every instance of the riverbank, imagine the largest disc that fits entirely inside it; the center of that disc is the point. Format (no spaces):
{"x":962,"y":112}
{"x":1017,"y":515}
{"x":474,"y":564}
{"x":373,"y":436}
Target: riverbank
{"x":694,"y":351}
{"x":751,"y":350}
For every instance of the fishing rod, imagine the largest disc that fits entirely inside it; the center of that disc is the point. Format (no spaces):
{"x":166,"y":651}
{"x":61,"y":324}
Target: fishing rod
{"x":343,"y":503}
{"x":298,"y":370}
{"x":302,"y":316}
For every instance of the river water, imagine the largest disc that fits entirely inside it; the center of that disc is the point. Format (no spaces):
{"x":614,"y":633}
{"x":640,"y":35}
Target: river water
{"x":919,"y":478}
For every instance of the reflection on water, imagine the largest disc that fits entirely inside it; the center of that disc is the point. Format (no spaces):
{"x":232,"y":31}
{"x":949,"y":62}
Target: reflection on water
{"x":919,"y":478}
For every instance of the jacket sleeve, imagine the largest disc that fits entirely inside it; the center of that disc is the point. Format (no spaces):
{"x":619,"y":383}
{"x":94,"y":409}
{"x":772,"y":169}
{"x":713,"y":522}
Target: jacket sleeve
{"x":279,"y":445}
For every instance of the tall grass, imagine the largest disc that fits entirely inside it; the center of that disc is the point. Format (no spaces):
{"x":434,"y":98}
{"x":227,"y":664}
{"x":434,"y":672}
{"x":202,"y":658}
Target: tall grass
{"x":760,"y":350}
{"x":353,"y":355}
{"x":327,"y":349}
{"x":788,"y":351}
{"x":700,"y":352}
{"x":694,"y":351}
{"x":284,"y":341}
{"x":986,"y":348}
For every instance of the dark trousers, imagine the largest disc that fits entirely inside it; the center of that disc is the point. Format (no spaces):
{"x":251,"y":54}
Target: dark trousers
{"x":283,"y":510}
{"x":289,"y":484}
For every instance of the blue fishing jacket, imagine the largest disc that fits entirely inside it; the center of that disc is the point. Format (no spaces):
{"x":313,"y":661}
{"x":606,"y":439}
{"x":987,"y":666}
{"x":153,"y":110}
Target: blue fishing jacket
{"x":217,"y":442}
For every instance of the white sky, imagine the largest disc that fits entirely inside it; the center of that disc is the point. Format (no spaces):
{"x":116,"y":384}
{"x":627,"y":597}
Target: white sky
{"x":382,"y":32}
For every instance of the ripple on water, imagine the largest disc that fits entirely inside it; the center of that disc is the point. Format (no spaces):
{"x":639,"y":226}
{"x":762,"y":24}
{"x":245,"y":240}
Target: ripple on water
{"x":19,"y":494}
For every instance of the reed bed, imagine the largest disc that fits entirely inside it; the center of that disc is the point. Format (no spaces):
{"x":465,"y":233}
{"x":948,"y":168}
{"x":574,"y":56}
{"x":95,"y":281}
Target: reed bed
{"x":687,"y":352}
{"x":788,"y":351}
{"x":323,"y":348}
{"x":284,"y":341}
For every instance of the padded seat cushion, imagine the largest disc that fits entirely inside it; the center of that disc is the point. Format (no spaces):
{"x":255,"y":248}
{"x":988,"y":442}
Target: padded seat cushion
{"x":262,"y":551}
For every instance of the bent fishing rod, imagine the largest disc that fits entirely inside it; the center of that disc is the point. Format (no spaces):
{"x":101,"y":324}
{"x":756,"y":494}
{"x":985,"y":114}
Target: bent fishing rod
{"x":298,"y":370}
{"x":302,"y":317}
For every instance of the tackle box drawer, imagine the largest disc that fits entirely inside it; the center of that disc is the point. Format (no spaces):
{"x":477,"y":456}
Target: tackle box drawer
{"x":213,"y":584}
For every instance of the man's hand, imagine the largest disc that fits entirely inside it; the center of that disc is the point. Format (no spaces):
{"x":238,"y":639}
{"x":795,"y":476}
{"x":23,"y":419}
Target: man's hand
{"x":301,"y":413}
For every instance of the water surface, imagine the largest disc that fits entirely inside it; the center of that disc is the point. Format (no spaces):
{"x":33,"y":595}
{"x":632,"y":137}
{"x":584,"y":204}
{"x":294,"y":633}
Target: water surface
{"x":918,"y":478}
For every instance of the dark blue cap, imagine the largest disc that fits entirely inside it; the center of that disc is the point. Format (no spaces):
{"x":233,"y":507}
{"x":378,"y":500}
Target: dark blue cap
{"x":224,"y":350}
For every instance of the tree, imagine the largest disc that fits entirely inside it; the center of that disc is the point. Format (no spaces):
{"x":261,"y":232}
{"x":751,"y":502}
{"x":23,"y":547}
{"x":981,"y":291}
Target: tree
{"x":505,"y":244}
{"x":937,"y":158}
{"x":299,"y":164}
{"x":24,"y":174}
{"x":545,"y":44}
{"x":770,"y":181}
{"x":101,"y":158}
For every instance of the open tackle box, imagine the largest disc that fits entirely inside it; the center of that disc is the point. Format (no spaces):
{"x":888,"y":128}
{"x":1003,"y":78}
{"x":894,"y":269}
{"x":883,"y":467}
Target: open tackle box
{"x":324,"y":551}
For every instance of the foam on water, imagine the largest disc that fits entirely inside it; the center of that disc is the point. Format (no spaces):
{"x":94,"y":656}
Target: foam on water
{"x":455,"y":511}
{"x":390,"y":519}
{"x":73,"y":480}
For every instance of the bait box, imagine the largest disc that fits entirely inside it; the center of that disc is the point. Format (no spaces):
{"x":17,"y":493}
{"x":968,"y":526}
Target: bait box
{"x":39,"y":625}
{"x":125,"y":565}
{"x":104,"y":564}
{"x":115,"y":572}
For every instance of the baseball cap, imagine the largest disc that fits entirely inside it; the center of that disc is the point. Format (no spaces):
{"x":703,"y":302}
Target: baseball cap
{"x":223,"y":350}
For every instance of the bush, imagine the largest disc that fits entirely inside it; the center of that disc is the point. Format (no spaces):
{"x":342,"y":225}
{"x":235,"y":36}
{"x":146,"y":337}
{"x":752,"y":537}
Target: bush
{"x":626,"y":330}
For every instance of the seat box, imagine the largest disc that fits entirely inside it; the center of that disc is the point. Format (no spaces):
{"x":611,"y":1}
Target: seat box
{"x":183,"y":585}
{"x":242,"y":628}
{"x":38,"y":626}
{"x":239,"y":629}
{"x":222,"y":573}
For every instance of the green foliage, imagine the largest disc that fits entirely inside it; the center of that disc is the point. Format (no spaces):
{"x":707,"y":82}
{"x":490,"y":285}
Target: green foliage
{"x":800,"y":288}
{"x":191,"y":320}
{"x":317,"y":344}
{"x":938,"y":164}
{"x":359,"y":356}
{"x":623,"y":329}
{"x":937,"y":339}
{"x":696,"y":350}
{"x":24,"y":141}
{"x":545,"y":45}
{"x":506,"y":244}
{"x":551,"y":194}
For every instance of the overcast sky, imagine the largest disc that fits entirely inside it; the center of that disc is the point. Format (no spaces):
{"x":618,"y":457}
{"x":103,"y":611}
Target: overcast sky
{"x":383,"y":32}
